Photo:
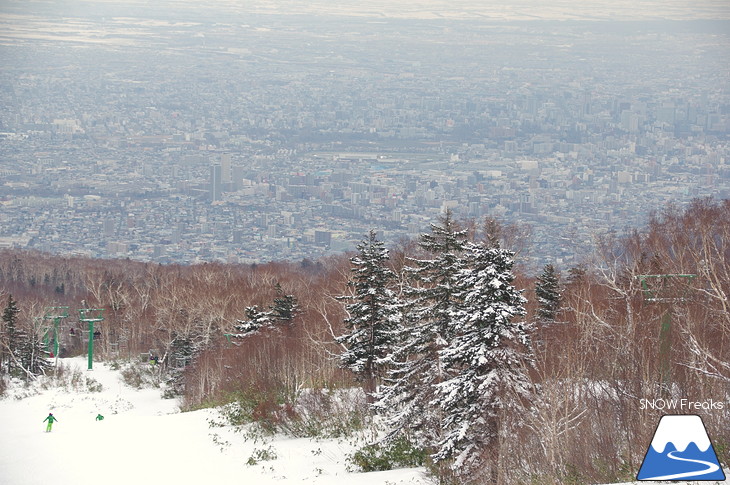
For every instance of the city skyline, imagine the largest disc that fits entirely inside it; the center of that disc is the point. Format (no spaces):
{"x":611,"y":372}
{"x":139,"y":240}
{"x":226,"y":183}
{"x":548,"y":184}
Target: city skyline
{"x":325,"y":123}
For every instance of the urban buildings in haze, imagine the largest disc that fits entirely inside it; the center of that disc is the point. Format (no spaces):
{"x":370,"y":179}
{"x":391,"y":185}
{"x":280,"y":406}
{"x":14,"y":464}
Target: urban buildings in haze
{"x":257,"y":137}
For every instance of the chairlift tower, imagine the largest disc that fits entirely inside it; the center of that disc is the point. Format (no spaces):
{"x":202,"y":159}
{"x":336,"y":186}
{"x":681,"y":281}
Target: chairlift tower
{"x":91,"y":316}
{"x":56,"y":314}
{"x":666,"y":289}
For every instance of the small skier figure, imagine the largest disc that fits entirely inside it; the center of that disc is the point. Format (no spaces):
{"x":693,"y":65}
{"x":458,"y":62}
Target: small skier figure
{"x":51,"y":419}
{"x":99,"y":417}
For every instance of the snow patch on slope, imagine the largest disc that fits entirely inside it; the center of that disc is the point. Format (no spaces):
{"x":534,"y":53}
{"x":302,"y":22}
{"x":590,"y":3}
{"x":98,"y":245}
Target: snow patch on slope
{"x":146,"y":439}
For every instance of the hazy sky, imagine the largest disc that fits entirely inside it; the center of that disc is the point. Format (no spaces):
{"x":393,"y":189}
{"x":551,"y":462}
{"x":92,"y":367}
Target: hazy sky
{"x":523,"y":9}
{"x":487,"y":9}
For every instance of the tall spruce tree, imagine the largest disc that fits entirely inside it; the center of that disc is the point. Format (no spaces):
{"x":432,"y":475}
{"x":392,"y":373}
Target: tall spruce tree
{"x":484,"y":360}
{"x":12,"y":335}
{"x":373,"y":314}
{"x":285,"y":307}
{"x":427,"y":329}
{"x":181,"y":354}
{"x":547,"y":291}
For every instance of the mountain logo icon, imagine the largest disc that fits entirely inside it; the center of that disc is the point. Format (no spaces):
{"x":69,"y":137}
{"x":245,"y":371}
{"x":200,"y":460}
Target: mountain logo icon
{"x":681,"y":450}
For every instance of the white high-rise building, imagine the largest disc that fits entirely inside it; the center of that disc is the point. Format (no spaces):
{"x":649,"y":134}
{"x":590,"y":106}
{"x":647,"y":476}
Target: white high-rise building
{"x":216,"y":191}
{"x":226,"y":171}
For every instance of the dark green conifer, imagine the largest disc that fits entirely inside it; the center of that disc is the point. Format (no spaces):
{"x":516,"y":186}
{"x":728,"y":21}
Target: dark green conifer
{"x":285,"y":307}
{"x":11,"y":335}
{"x":547,"y":291}
{"x":432,"y":299}
{"x":372,"y":314}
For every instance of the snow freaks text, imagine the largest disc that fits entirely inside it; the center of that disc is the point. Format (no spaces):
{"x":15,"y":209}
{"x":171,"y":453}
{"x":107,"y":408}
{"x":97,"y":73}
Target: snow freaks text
{"x":682,"y":405}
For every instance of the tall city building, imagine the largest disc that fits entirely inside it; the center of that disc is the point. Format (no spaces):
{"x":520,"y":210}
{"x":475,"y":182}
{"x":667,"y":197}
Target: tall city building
{"x":215,"y":183}
{"x":226,"y":173}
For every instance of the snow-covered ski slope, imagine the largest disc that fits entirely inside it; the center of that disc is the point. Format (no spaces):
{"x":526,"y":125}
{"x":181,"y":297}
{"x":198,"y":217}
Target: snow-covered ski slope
{"x":145,"y":439}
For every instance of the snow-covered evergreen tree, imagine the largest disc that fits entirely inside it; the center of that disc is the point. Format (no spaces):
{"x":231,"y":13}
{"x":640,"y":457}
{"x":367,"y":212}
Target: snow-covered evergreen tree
{"x":183,"y":350}
{"x":283,"y":310}
{"x":11,"y":337}
{"x":285,"y":307}
{"x":484,"y":360}
{"x":373,"y":314}
{"x":23,"y":347}
{"x":427,"y":329}
{"x":547,"y":291}
{"x":255,"y":320}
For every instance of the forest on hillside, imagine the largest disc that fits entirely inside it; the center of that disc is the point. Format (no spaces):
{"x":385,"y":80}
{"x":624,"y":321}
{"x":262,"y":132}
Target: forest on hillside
{"x":555,"y":394}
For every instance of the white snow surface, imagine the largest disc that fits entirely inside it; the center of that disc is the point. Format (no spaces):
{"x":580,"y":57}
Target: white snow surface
{"x":146,"y":439}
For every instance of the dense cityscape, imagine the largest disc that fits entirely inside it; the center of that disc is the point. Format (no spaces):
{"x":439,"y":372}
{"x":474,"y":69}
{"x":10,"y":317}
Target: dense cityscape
{"x":251,"y":138}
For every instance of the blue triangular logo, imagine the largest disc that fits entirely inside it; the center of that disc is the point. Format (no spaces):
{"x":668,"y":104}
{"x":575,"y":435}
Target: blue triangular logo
{"x":681,"y":450}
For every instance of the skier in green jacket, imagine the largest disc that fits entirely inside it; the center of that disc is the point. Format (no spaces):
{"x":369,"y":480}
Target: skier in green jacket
{"x":51,"y":419}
